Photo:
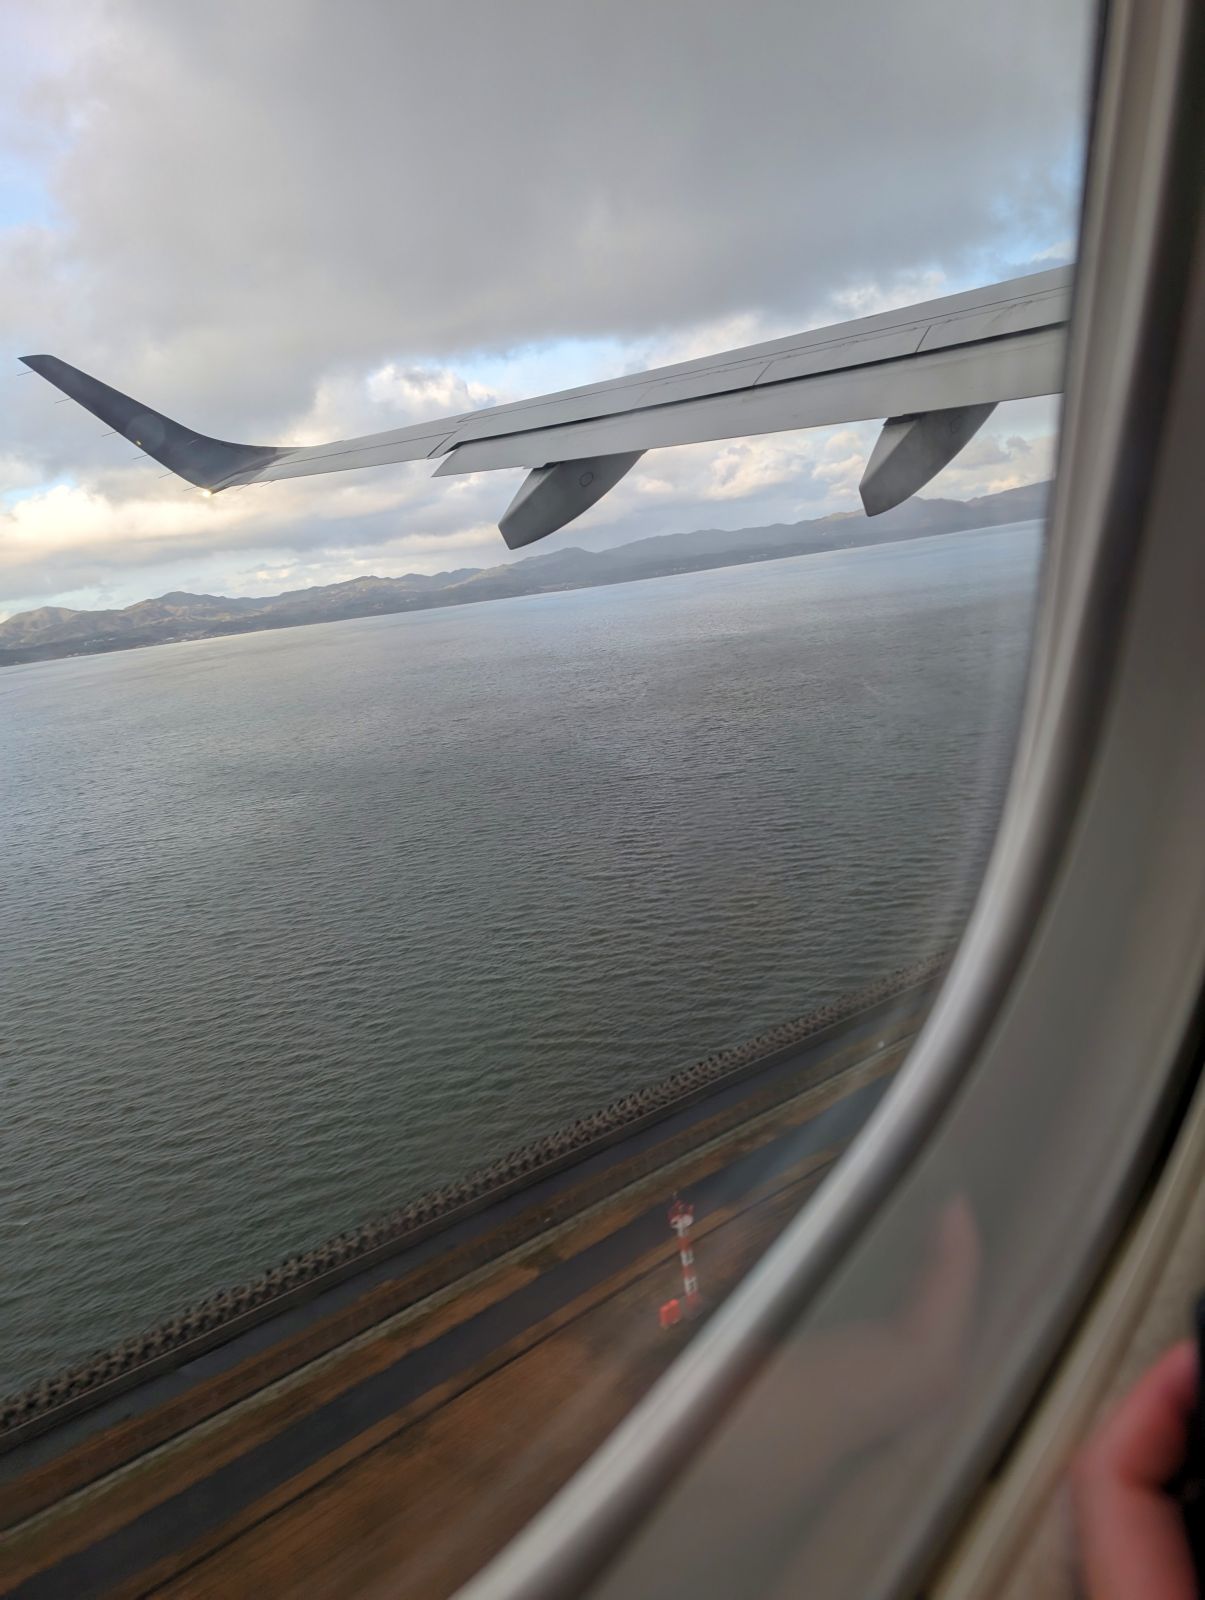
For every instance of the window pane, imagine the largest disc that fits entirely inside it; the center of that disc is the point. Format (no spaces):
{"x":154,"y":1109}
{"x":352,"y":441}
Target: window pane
{"x":440,"y":971}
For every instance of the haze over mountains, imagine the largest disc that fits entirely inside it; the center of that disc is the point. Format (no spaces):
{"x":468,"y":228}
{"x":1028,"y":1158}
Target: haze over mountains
{"x":52,"y":631}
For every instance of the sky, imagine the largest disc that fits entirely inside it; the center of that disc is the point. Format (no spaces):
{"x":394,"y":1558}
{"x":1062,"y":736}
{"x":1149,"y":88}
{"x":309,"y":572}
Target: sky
{"x":292,"y":220}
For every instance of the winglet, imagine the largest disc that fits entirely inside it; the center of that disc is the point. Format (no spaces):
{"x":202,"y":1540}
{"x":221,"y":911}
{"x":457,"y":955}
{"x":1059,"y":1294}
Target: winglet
{"x":209,"y":463}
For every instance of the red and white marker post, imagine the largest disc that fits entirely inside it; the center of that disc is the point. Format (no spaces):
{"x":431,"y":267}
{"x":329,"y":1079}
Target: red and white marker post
{"x":681,"y":1220}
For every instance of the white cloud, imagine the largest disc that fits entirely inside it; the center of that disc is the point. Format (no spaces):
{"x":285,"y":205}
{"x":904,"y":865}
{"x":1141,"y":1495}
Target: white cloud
{"x":104,"y":538}
{"x":867,"y":296}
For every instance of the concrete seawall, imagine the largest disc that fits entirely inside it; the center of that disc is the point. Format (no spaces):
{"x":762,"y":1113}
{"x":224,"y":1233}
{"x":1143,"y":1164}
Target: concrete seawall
{"x":301,"y":1277}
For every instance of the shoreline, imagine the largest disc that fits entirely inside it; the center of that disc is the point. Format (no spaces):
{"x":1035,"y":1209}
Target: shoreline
{"x":103,"y":1376}
{"x":34,"y":655}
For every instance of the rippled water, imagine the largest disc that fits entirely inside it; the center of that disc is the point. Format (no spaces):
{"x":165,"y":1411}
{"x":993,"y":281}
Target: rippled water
{"x":297,"y":924}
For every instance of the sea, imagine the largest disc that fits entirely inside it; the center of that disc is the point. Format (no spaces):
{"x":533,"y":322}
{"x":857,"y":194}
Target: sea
{"x":298,"y":924}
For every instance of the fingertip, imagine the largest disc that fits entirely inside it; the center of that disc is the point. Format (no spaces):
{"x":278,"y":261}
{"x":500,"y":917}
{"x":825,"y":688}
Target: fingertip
{"x":1143,"y":1439}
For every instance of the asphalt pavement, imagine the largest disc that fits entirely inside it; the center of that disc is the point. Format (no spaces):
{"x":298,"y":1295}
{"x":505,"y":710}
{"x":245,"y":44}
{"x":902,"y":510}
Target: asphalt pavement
{"x":211,"y":1501}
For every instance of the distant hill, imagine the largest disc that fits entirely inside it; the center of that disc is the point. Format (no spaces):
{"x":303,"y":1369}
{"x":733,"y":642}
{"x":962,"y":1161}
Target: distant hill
{"x":52,"y":631}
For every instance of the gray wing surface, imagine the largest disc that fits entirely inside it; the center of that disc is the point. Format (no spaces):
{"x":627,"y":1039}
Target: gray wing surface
{"x":933,"y":370}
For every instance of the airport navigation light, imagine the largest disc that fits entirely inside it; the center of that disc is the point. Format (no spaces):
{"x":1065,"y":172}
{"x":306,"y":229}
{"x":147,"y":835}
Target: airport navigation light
{"x":681,"y":1220}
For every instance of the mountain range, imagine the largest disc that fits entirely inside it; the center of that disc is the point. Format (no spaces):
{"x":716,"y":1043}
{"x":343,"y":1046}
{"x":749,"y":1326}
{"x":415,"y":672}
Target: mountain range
{"x":52,"y":631}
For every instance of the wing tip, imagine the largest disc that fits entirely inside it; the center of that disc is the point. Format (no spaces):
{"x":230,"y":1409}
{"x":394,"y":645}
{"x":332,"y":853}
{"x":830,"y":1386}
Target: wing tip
{"x":208,"y":464}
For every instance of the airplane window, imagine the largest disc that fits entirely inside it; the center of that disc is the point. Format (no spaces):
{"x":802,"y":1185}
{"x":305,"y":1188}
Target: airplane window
{"x":441,"y":961}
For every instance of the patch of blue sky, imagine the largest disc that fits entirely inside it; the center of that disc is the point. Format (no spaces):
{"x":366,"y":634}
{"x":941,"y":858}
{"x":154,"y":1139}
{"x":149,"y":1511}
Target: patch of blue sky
{"x":24,"y":197}
{"x":1034,"y":230}
{"x":1022,"y":255}
{"x":1022,"y":252}
{"x":31,"y":491}
{"x":541,"y":367}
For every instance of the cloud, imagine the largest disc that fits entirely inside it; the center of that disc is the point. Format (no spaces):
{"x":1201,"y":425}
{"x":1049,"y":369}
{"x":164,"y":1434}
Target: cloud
{"x":281,"y":223}
{"x":124,"y":533}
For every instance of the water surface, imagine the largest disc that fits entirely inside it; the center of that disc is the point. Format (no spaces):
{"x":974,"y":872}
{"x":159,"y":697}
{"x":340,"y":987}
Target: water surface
{"x":298,"y":924}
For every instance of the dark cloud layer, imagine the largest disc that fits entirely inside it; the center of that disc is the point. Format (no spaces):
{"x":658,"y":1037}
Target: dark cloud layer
{"x":256,"y":192}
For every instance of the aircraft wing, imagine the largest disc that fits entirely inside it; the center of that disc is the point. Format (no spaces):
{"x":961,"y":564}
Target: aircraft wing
{"x":934,"y":371}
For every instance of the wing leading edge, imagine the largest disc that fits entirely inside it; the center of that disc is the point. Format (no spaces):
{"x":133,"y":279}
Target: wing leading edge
{"x":934,"y":370}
